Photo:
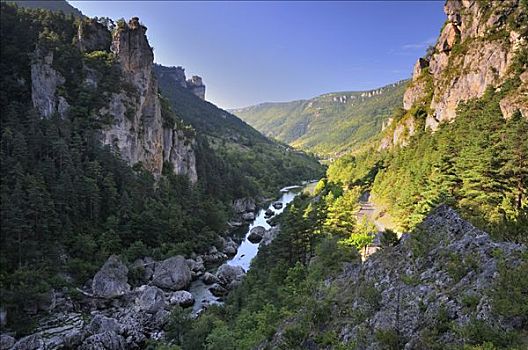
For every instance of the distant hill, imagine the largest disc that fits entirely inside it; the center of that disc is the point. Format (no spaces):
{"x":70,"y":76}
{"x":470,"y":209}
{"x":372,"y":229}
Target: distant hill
{"x":53,"y":5}
{"x":328,"y":124}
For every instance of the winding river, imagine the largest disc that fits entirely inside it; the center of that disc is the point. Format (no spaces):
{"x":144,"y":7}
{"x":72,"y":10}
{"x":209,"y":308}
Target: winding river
{"x":246,"y":251}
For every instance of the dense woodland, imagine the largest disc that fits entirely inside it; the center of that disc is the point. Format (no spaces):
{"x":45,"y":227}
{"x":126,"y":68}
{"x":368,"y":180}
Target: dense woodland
{"x":68,"y":203}
{"x":477,"y":164}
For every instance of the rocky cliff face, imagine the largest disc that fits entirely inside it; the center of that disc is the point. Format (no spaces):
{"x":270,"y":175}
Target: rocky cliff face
{"x":177,"y":74}
{"x":137,"y":132}
{"x":44,"y":83}
{"x":476,"y":49}
{"x":428,"y":289}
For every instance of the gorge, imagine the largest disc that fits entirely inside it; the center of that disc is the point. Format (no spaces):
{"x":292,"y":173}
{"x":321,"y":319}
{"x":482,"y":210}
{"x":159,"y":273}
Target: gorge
{"x":136,"y":214}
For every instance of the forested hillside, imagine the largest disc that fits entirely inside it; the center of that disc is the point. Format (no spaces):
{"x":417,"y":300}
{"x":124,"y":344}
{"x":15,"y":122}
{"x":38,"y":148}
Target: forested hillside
{"x":70,"y":198}
{"x":330,"y":124}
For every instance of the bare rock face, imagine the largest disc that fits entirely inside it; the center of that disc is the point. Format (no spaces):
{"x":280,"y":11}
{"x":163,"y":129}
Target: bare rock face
{"x":406,"y":287}
{"x":138,"y":133}
{"x":177,"y":75}
{"x":44,"y":83}
{"x":111,"y":280}
{"x":151,"y":299}
{"x":196,"y":86}
{"x":469,"y":57}
{"x":173,"y":274}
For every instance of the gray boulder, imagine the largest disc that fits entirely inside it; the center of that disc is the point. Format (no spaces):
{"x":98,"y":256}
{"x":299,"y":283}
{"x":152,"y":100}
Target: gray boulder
{"x":173,"y":274}
{"x":104,"y":341}
{"x":277,"y":205}
{"x":101,"y":324}
{"x":230,"y":247}
{"x":6,"y":341}
{"x":111,"y":280}
{"x":209,"y":278}
{"x":31,"y":342}
{"x":227,"y":275}
{"x":269,"y":213}
{"x":256,"y":234}
{"x":248,"y":216}
{"x":218,"y":291}
{"x":242,"y":205}
{"x":182,"y":298}
{"x":151,"y":299}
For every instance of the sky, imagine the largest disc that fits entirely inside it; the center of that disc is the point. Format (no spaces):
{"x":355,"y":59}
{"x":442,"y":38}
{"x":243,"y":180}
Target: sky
{"x":254,"y":52}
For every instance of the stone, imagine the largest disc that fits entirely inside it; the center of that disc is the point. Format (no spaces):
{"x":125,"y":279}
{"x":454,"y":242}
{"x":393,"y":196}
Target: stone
{"x":269,"y":213}
{"x":151,"y":299}
{"x":173,"y":274}
{"x":111,"y":280}
{"x":209,"y":278}
{"x":44,"y":83}
{"x":227,"y":274}
{"x":31,"y":342}
{"x":248,"y":216}
{"x":256,"y":234}
{"x":106,"y":340}
{"x":230,"y":247}
{"x":277,"y":205}
{"x":101,"y":324}
{"x":6,"y":341}
{"x":138,"y":132}
{"x":242,"y":205}
{"x":218,"y":290}
{"x":182,"y":298}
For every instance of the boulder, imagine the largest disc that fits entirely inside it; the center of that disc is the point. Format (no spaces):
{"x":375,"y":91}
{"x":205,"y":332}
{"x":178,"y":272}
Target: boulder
{"x":196,"y":266}
{"x":218,"y":291}
{"x":101,"y":324}
{"x":277,"y":205}
{"x":111,"y":280}
{"x":227,"y":274}
{"x":256,"y":234}
{"x":242,"y":205}
{"x":209,"y":278}
{"x":173,"y":274}
{"x":182,"y":298}
{"x":106,"y":340}
{"x":6,"y":341}
{"x":248,"y":216}
{"x":151,"y":299}
{"x":230,"y":247}
{"x":269,"y":213}
{"x":31,"y":342}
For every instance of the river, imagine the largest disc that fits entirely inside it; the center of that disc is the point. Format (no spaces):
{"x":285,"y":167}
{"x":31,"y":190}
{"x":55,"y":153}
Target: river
{"x":246,"y":251}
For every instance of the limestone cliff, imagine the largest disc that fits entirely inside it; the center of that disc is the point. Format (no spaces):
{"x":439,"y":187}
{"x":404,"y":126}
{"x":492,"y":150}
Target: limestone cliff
{"x":44,"y":83}
{"x":137,"y":130}
{"x":177,"y":74}
{"x":481,"y":45}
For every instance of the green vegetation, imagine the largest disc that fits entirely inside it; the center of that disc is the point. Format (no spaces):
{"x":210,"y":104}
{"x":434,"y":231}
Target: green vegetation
{"x":328,"y":124}
{"x":259,"y":164}
{"x":476,"y":164}
{"x":68,"y":202}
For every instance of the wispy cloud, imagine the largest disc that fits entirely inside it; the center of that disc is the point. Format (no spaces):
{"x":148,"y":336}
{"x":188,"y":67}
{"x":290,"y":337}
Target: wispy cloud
{"x":421,"y":45}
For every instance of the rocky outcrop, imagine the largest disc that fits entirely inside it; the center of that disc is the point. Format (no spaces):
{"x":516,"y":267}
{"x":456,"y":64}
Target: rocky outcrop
{"x":182,"y":298}
{"x":151,"y":299}
{"x":474,"y":51}
{"x":138,"y":132}
{"x":196,"y":86}
{"x":256,"y":234}
{"x":44,"y":83}
{"x":442,"y":275}
{"x":111,"y":280}
{"x":242,"y":205}
{"x":173,"y":274}
{"x":177,"y":75}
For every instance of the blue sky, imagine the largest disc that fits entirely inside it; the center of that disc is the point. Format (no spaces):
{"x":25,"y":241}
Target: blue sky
{"x":253,"y":52}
